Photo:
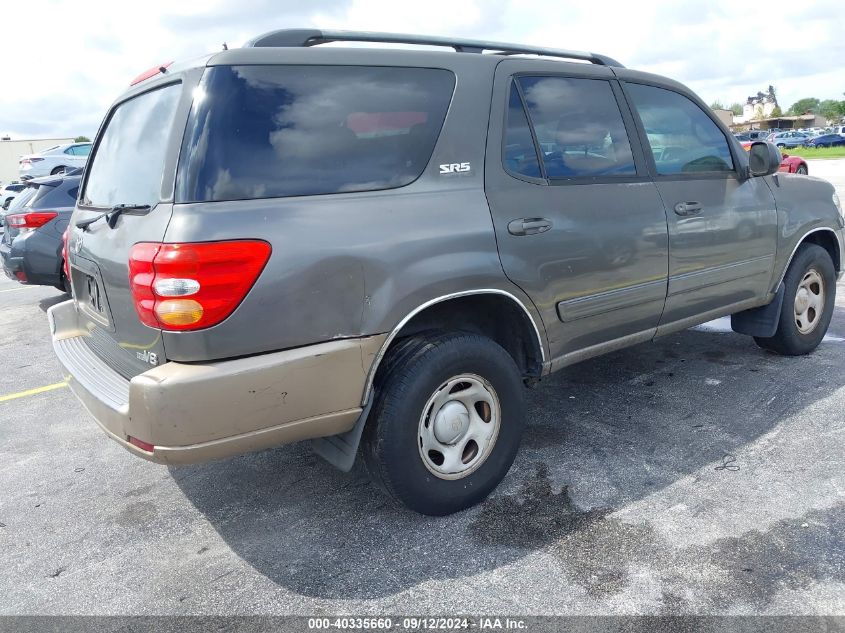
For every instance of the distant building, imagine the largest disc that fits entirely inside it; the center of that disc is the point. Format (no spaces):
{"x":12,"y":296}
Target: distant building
{"x":759,"y":106}
{"x":12,"y":150}
{"x":725,"y":116}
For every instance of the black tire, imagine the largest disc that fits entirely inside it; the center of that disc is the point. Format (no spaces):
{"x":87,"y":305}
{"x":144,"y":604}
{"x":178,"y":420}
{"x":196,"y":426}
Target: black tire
{"x":802,"y":169}
{"x":788,"y":340}
{"x":58,"y":170}
{"x":64,"y":284}
{"x":413,"y":371}
{"x":781,"y":146}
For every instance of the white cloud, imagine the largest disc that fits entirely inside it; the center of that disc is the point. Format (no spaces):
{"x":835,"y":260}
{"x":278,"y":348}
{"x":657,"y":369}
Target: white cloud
{"x":61,"y":71}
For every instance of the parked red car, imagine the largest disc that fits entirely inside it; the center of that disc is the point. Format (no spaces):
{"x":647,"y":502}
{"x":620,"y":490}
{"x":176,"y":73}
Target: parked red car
{"x":789,"y":164}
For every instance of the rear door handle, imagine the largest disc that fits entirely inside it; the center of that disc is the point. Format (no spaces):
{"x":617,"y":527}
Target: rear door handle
{"x":529,"y":226}
{"x":685,"y":209}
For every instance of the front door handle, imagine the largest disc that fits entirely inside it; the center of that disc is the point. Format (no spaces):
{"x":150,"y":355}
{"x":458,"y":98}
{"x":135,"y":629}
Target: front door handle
{"x":529,"y":226}
{"x":685,"y":209}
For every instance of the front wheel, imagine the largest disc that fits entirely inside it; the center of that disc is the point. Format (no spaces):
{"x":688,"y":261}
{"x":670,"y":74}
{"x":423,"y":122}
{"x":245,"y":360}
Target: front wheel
{"x":802,"y":170}
{"x":808,"y":302}
{"x":447,"y":422}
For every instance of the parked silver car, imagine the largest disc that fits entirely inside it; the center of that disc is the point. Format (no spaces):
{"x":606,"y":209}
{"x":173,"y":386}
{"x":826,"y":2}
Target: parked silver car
{"x":381,"y":247}
{"x":788,"y":139}
{"x":55,"y":160}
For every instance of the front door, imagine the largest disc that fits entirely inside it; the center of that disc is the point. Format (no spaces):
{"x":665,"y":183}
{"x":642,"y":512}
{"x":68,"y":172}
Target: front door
{"x":579,"y":223}
{"x":722,"y":224}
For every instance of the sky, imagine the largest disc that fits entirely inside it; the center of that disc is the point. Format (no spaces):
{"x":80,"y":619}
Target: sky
{"x":61,"y":70}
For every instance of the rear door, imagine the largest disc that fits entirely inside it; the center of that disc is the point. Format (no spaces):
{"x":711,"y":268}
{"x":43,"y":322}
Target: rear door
{"x":579,"y":223}
{"x":722,"y":224}
{"x":133,"y":162}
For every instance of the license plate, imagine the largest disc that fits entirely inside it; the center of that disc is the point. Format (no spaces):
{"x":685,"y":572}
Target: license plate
{"x":93,"y":296}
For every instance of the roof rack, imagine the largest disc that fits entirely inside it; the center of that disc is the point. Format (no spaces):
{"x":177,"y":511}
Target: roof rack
{"x":313,"y":37}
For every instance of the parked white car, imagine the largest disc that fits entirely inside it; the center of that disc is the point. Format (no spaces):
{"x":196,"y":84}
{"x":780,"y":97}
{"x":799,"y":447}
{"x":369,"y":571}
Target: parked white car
{"x":8,"y":193}
{"x":54,"y":160}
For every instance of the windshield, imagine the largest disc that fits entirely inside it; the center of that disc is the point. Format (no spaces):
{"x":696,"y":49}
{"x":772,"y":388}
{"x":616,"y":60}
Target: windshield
{"x":128,"y":164}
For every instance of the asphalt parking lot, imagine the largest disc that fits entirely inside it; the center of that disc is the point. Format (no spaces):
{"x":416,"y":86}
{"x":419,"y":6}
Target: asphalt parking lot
{"x":696,"y":474}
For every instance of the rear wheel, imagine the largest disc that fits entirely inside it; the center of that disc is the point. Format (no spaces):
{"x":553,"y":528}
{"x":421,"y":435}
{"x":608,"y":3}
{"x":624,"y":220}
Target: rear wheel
{"x":808,"y":302}
{"x":781,"y":145}
{"x":802,"y":169}
{"x":64,"y":284}
{"x":58,"y":170}
{"x":446,"y":423}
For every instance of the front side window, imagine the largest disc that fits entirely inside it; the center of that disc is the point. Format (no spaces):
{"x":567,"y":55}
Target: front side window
{"x":128,"y":165}
{"x":683,"y":138}
{"x":274,"y":131}
{"x":578,"y":126}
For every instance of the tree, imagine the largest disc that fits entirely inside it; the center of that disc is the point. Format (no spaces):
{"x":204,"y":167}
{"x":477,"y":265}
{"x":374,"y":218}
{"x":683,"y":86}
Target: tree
{"x":82,"y":139}
{"x":807,"y":104}
{"x":736,"y":108}
{"x":758,"y":113}
{"x":776,"y":112}
{"x":717,"y":105}
{"x":830,"y":109}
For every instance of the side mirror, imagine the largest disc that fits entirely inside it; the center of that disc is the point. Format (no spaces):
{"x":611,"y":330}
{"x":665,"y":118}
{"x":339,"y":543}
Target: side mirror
{"x":764,"y":159}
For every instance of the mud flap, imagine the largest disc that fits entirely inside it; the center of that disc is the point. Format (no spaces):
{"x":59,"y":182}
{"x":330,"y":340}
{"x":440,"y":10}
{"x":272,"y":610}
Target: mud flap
{"x":761,"y":322}
{"x":340,"y":450}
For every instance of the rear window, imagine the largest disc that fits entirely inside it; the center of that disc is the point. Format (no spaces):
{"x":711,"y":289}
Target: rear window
{"x":273,"y":131}
{"x":60,"y":196}
{"x":128,"y":165}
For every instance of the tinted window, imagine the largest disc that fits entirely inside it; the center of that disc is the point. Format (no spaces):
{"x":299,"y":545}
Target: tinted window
{"x":269,"y":131}
{"x":81,"y":150}
{"x":21,"y":199}
{"x":683,"y":138}
{"x":62,"y":195}
{"x":520,"y":152}
{"x":578,"y":126}
{"x":129,"y":163}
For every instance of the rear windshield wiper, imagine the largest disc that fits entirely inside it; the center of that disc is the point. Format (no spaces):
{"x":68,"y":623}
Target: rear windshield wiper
{"x":112,"y":214}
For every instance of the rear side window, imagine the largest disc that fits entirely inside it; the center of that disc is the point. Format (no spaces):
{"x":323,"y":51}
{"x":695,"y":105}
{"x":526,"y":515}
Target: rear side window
{"x":273,"y":131}
{"x":683,"y":138}
{"x":520,"y":151}
{"x":128,"y":165}
{"x":578,"y":126}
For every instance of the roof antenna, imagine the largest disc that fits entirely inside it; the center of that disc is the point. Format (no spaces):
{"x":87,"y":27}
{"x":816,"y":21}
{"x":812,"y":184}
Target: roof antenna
{"x":162,"y":69}
{"x":225,"y":46}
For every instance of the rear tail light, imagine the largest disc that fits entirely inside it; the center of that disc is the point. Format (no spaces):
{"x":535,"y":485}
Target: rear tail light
{"x":29,"y":161}
{"x":65,"y":262}
{"x":194,"y":285}
{"x":30,"y":220}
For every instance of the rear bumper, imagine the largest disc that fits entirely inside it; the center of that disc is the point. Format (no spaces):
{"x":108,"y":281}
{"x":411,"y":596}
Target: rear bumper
{"x":198,"y":412}
{"x":31,"y":261}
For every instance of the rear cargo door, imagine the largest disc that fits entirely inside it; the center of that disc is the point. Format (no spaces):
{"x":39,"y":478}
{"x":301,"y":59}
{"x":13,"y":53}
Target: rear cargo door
{"x":133,"y":163}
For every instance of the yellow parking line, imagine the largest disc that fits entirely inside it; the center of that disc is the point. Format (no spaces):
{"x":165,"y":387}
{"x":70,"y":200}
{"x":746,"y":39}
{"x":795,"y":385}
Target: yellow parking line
{"x":32,"y":392}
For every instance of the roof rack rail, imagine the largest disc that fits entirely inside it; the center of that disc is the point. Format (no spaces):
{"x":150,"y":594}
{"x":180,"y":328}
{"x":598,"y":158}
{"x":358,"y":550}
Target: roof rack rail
{"x":313,"y":37}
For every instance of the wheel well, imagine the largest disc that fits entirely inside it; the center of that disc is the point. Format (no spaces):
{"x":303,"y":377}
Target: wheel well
{"x":827,"y":240}
{"x":492,"y":315}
